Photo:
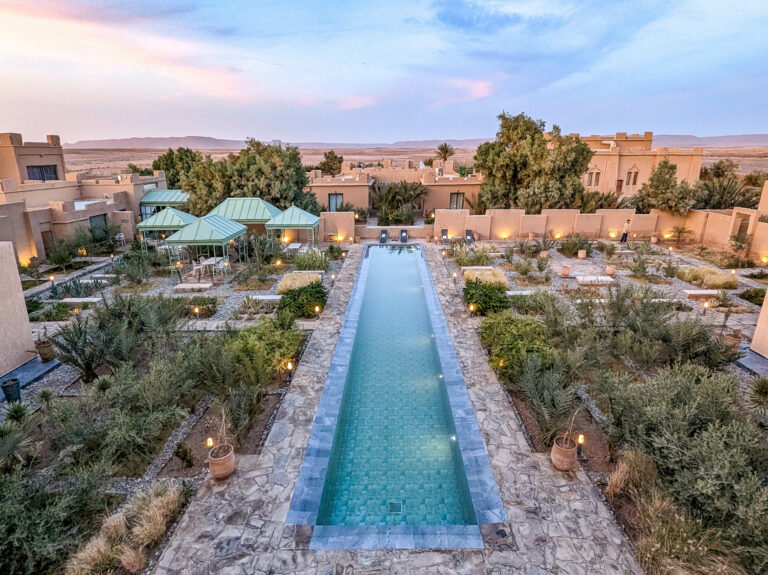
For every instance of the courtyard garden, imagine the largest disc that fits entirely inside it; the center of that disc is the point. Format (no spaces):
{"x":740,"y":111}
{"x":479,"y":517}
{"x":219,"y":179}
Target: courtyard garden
{"x":639,"y":363}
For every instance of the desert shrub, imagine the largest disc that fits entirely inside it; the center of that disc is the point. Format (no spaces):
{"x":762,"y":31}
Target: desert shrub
{"x":34,"y":305}
{"x":241,"y":404}
{"x":532,"y":304}
{"x":509,"y":338}
{"x":753,"y":295}
{"x":312,"y":259}
{"x":687,"y":420}
{"x":134,"y":267}
{"x":524,"y":268}
{"x":184,"y":453}
{"x":495,"y":276}
{"x":294,"y":280}
{"x":41,"y":526}
{"x":485,"y":297}
{"x":82,"y":344}
{"x":302,"y":301}
{"x":670,"y":269}
{"x":264,"y":250}
{"x":15,"y":440}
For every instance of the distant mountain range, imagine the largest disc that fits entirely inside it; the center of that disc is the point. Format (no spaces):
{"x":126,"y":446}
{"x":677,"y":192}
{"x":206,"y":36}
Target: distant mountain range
{"x":207,"y":143}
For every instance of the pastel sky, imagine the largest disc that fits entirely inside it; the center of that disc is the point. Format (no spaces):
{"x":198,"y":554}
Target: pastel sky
{"x":357,"y":71}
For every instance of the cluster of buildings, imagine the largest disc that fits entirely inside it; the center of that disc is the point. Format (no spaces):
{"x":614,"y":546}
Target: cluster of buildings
{"x":40,"y":201}
{"x":622,"y":163}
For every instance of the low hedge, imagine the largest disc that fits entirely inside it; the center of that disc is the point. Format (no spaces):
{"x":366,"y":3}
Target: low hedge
{"x":485,"y":297}
{"x":301,"y":302}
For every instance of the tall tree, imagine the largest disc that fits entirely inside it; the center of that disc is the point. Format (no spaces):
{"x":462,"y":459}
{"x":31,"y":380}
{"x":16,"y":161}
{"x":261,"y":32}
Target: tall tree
{"x":444,"y":151}
{"x":662,"y":191}
{"x":527,"y":168}
{"x":725,"y":168}
{"x":331,"y":163}
{"x":137,"y":170}
{"x":176,"y":164}
{"x":263,"y":171}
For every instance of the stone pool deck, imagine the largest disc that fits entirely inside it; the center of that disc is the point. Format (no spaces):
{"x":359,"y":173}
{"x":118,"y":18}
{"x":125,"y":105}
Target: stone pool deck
{"x":557,"y":523}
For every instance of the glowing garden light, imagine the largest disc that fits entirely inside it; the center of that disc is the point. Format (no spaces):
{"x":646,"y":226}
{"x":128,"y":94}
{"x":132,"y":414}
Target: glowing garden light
{"x":580,"y":441}
{"x":52,"y":279}
{"x":290,"y":366}
{"x":612,"y":235}
{"x":764,"y":259}
{"x":279,"y":262}
{"x":317,"y":309}
{"x":197,"y":312}
{"x":472,"y":308}
{"x":209,"y":442}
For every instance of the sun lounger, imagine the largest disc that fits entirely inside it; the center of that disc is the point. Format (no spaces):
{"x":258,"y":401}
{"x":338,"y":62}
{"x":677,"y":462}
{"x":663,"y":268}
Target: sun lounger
{"x":445,"y":238}
{"x":469,"y":238}
{"x":383,"y":237}
{"x":403,"y":236}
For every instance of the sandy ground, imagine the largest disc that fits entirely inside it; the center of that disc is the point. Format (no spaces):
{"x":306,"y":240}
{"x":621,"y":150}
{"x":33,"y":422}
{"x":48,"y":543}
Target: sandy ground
{"x":102,"y":162}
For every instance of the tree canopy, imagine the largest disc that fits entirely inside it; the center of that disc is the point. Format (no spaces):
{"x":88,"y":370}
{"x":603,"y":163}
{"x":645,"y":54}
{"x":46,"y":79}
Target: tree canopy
{"x":176,"y":164}
{"x":530,"y":169}
{"x":270,"y":172}
{"x":444,"y":151}
{"x":721,"y":193}
{"x":662,"y":191}
{"x":331,"y":163}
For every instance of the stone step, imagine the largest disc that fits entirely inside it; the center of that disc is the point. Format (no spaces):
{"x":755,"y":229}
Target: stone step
{"x":106,"y":277}
{"x":595,"y":280}
{"x":515,"y":292}
{"x":267,"y":297}
{"x":79,"y":301}
{"x":701,"y":293}
{"x":192,"y":287}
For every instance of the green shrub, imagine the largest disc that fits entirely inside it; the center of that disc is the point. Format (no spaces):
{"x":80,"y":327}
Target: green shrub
{"x":509,"y":337}
{"x":532,"y":304}
{"x":312,"y":259}
{"x":34,"y":305}
{"x":753,"y":295}
{"x":301,"y":302}
{"x":485,"y":297}
{"x":334,"y":252}
{"x":57,"y":312}
{"x":549,"y":395}
{"x":464,"y":256}
{"x":570,"y":247}
{"x":757,"y":399}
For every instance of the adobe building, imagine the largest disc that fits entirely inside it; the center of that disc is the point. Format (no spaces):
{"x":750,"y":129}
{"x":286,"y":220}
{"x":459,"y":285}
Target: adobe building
{"x":622,"y":163}
{"x":40,"y":202}
{"x":445,"y":187}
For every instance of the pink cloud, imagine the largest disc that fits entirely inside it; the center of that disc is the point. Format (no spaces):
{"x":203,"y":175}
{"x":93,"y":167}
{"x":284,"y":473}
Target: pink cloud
{"x":356,"y":102}
{"x":468,"y":90}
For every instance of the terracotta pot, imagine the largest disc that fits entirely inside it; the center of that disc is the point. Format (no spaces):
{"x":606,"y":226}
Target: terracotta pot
{"x":563,"y":455}
{"x":582,"y":254}
{"x":654,"y":239}
{"x":565,"y":271}
{"x":544,"y":253}
{"x":221,"y":460}
{"x":610,"y":270}
{"x":531,"y":236}
{"x":45,"y":350}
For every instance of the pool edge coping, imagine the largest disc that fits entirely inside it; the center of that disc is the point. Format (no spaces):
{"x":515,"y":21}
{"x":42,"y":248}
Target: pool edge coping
{"x":483,"y":490}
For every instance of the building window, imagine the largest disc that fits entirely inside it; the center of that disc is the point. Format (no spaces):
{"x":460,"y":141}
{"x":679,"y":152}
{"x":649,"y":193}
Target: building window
{"x":98,"y":226}
{"x":335,"y":201}
{"x":593,"y":178}
{"x":457,"y":201}
{"x":634,"y":180}
{"x":43,"y":173}
{"x":597,"y":178}
{"x":589,"y":179}
{"x":631,"y":178}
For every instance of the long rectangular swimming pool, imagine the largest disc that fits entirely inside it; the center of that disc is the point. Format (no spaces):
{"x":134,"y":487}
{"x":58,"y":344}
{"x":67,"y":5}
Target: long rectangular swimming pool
{"x":395,"y":459}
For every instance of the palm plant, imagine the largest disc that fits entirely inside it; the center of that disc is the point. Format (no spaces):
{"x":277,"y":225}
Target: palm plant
{"x":83,"y":345}
{"x":757,"y":400}
{"x":680,"y":232}
{"x":13,"y":441}
{"x":549,"y":395}
{"x":726,"y":192}
{"x":476,"y":203}
{"x":445,"y":151}
{"x":17,"y":412}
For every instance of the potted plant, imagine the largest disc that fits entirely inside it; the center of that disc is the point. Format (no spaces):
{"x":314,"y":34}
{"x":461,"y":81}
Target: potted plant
{"x":11,"y":390}
{"x":221,"y":457}
{"x":610,"y":270}
{"x":582,"y":254}
{"x":44,"y":346}
{"x":563,"y":453}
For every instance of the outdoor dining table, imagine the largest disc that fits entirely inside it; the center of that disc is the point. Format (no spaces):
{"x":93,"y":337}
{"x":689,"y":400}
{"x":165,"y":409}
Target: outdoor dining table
{"x":294,"y":246}
{"x":211,"y":261}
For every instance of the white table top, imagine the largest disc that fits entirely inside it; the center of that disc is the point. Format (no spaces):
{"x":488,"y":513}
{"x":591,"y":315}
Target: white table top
{"x":211,"y":261}
{"x":294,"y":246}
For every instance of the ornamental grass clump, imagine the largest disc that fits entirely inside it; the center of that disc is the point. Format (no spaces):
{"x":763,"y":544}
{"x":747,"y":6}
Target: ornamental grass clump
{"x":312,"y":259}
{"x":126,"y":537}
{"x":294,"y":280}
{"x":494,"y":276}
{"x":707,"y":278}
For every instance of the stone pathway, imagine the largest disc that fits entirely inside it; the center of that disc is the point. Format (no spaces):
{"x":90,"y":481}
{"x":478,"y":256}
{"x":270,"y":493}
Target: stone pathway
{"x":558,"y":523}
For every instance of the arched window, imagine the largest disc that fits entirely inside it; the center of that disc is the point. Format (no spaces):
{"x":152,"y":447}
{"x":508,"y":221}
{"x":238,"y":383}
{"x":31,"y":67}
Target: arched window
{"x":632,"y":175}
{"x":593,"y":177}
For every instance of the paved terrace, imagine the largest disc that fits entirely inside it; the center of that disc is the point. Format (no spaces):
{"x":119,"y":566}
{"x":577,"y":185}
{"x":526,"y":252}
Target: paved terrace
{"x":558,"y":523}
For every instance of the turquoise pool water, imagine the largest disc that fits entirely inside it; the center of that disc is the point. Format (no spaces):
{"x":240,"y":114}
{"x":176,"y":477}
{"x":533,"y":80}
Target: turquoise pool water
{"x":394,"y":458}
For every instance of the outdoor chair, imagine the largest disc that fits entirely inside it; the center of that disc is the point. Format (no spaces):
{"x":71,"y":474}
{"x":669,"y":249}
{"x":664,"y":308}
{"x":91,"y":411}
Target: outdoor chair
{"x":383,"y":237}
{"x":120,"y":239}
{"x":403,"y":236}
{"x":469,"y":237}
{"x":444,"y":237}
